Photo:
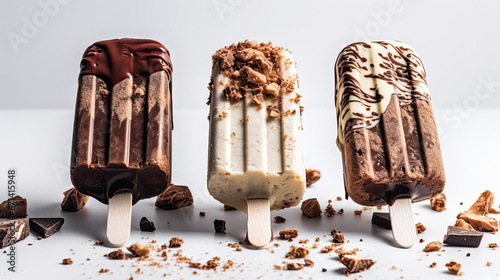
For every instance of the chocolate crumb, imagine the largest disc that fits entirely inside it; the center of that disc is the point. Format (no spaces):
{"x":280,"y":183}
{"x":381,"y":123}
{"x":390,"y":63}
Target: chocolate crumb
{"x":468,"y":255}
{"x":279,"y":219}
{"x":358,"y":212}
{"x":438,"y":203}
{"x":329,"y":210}
{"x":39,"y":237}
{"x":420,"y":228}
{"x":311,"y":208}
{"x":67,"y":261}
{"x":289,"y":233}
{"x":433,"y":265}
{"x":220,"y":226}
{"x":104,"y":270}
{"x":323,"y":270}
{"x":98,"y":242}
{"x":433,"y":246}
{"x":175,"y":242}
{"x":339,"y":198}
{"x":117,"y":255}
{"x":312,"y":176}
{"x":202,"y":214}
{"x":422,"y":240}
{"x":338,"y":238}
{"x":297,"y":252}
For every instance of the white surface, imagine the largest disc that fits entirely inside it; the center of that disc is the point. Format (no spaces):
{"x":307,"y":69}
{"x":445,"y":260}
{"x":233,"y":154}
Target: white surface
{"x":457,"y":40}
{"x":37,"y":143}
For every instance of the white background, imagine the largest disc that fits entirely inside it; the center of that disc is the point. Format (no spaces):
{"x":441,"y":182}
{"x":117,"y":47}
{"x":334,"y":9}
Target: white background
{"x":457,"y":40}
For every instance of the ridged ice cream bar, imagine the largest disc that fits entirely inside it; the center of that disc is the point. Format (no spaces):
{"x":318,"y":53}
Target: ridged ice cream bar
{"x":386,"y":128}
{"x":255,"y":127}
{"x":123,"y":120}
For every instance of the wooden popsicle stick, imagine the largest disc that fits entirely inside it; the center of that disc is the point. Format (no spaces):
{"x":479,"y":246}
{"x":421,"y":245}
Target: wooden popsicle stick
{"x":119,"y":214}
{"x":259,"y":222}
{"x":403,"y":226}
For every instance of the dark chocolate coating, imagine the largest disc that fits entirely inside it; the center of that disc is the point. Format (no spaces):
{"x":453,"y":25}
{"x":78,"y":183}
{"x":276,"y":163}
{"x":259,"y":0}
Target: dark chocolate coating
{"x":123,"y":120}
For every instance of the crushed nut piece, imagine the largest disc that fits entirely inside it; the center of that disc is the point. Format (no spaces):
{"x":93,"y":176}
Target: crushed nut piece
{"x":433,"y":246}
{"x":454,"y":267}
{"x":139,"y":250}
{"x":438,"y":203}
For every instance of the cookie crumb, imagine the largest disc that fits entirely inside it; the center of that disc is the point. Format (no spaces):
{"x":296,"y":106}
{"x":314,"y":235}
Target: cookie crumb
{"x":311,"y":208}
{"x":438,"y":203}
{"x":454,"y":267}
{"x":279,"y":219}
{"x":67,"y":261}
{"x":175,"y":242}
{"x":420,"y":228}
{"x":312,"y":176}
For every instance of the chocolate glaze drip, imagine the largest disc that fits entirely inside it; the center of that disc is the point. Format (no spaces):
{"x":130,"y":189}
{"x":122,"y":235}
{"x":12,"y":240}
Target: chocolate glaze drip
{"x":117,"y":59}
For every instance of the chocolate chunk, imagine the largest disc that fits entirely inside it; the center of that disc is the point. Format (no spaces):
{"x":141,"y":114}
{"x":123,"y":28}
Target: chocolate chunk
{"x":220,"y":226}
{"x":13,"y":207}
{"x":175,"y":196}
{"x":311,"y":208}
{"x":279,"y":219}
{"x":355,"y":263}
{"x":73,"y":200}
{"x":20,"y":228}
{"x":147,"y":225}
{"x":312,"y":176}
{"x":462,"y":237}
{"x":45,"y":227}
{"x":382,"y":219}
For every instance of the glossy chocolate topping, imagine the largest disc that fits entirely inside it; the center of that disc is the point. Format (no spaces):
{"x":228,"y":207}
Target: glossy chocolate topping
{"x":117,"y":59}
{"x":123,"y":120}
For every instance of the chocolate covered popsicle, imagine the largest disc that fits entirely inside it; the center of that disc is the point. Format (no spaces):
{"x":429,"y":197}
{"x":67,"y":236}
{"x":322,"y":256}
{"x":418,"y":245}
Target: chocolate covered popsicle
{"x":386,"y":128}
{"x":255,"y":155}
{"x":123,"y":122}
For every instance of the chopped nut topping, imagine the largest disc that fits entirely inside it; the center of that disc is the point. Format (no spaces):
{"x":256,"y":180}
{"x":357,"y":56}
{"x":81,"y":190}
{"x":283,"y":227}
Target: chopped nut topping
{"x":273,"y":111}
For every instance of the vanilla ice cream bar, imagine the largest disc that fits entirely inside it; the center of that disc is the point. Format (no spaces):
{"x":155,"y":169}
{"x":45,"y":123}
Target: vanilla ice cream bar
{"x":386,"y":128}
{"x":123,"y":120}
{"x":255,"y":148}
